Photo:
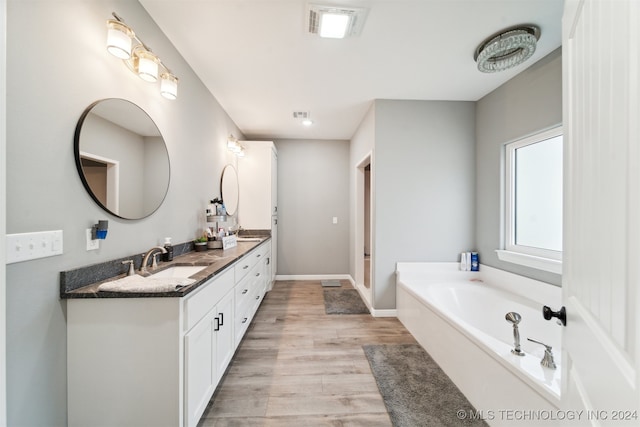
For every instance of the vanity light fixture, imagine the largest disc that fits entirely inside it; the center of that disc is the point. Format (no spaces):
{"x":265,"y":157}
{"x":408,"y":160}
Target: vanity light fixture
{"x":123,"y":43}
{"x":234,"y":146}
{"x":506,"y":49}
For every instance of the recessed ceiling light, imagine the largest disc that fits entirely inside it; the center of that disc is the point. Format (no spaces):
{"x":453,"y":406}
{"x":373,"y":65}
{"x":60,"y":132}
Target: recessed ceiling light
{"x":307,"y":122}
{"x":335,"y":21}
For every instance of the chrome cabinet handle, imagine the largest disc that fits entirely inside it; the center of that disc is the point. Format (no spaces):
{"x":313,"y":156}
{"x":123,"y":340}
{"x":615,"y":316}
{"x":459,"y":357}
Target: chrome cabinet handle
{"x":245,"y":291}
{"x":221,"y":316}
{"x":245,"y":320}
{"x":217,"y":326}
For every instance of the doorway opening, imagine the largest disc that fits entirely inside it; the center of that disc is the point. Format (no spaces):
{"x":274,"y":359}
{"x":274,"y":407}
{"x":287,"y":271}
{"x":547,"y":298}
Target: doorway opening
{"x":364,"y":256}
{"x":103,"y":176}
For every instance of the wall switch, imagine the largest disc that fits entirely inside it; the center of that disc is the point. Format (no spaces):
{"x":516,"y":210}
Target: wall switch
{"x":335,"y":219}
{"x":28,"y":246}
{"x":92,"y":244}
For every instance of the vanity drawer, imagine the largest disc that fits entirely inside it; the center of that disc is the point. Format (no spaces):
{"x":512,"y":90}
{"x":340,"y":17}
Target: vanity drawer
{"x":247,"y":262}
{"x":246,"y":289}
{"x":243,"y":266}
{"x":206,"y":298}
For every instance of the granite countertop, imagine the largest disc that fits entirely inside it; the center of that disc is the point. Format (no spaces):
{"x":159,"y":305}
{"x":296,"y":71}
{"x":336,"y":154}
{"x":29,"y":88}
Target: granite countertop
{"x":216,"y":260}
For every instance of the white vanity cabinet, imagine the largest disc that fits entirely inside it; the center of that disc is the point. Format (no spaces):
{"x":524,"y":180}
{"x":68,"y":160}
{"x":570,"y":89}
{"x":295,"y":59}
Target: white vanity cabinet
{"x":156,"y":361}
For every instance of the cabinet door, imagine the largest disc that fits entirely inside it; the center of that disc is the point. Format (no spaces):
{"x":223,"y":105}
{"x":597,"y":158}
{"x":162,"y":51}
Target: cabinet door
{"x":266,"y":271}
{"x":224,"y":334}
{"x":274,"y":182}
{"x":200,"y":363}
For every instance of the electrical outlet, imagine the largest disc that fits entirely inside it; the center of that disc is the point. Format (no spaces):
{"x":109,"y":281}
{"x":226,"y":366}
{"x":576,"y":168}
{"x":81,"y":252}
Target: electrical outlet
{"x":335,"y":219}
{"x":92,"y":244}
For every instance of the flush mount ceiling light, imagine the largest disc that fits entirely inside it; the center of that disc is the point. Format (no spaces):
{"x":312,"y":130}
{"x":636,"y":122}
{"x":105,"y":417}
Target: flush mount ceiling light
{"x":335,"y":22}
{"x":123,"y":43}
{"x":507,"y":49}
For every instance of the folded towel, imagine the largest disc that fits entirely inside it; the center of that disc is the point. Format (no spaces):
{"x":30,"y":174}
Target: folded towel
{"x":138,"y":283}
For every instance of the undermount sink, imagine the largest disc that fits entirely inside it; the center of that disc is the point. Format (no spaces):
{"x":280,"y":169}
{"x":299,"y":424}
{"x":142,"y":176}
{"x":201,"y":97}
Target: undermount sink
{"x":250,"y":239}
{"x":180,"y":271}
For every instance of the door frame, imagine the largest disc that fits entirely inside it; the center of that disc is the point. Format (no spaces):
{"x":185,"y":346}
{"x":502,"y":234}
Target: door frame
{"x":367,"y":293}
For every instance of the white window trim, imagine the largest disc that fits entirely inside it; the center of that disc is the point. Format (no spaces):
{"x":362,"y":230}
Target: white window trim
{"x":541,"y":259}
{"x":539,"y":263}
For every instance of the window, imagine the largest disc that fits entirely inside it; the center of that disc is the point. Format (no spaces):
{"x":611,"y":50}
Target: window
{"x":533,"y":201}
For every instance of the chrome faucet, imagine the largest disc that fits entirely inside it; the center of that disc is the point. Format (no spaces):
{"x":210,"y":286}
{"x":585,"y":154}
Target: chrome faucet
{"x":514,"y":318}
{"x":547,"y":360}
{"x":145,"y":260}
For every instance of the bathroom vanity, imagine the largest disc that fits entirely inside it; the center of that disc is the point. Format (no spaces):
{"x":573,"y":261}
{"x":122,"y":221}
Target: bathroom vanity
{"x":156,"y":359}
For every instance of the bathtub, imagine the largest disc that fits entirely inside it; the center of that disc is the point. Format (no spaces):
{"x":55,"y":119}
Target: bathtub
{"x":459,"y":318}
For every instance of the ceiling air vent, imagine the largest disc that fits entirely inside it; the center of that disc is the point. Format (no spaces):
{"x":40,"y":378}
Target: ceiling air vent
{"x":321,"y":20}
{"x":300,"y":114}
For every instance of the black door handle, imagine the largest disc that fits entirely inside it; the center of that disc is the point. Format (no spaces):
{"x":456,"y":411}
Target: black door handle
{"x":561,"y":314}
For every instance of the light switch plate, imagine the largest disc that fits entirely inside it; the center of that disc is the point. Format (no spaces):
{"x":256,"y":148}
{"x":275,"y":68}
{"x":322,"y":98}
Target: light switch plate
{"x":92,"y":244}
{"x":335,"y":219}
{"x":28,"y":246}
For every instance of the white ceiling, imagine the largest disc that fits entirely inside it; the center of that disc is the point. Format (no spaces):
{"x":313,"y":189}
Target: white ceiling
{"x":257,"y":59}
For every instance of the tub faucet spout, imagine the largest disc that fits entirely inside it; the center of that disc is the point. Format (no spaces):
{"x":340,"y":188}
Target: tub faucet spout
{"x":514,"y":318}
{"x":547,"y":360}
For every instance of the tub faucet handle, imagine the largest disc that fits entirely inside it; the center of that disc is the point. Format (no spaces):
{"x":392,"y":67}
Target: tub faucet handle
{"x":547,"y":360}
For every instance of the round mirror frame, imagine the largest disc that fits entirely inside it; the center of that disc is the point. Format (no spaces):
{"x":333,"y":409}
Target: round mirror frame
{"x":78,"y":160}
{"x":229,"y":175}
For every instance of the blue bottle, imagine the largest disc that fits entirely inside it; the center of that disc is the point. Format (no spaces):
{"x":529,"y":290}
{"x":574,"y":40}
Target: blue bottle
{"x":474,"y":261}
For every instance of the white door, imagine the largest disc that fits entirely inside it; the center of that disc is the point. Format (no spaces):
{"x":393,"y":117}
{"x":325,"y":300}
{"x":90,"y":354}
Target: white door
{"x":601,"y":272}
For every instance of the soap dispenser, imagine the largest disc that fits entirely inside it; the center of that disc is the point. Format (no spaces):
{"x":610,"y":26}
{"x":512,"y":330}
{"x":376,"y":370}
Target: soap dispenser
{"x":167,"y":245}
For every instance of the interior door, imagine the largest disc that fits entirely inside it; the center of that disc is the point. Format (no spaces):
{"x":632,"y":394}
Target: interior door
{"x":601,"y":44}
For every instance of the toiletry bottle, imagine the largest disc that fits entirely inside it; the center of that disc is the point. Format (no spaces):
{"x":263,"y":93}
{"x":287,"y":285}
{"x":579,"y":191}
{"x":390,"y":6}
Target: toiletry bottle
{"x":167,"y":245}
{"x":463,"y":261}
{"x":475,"y":262}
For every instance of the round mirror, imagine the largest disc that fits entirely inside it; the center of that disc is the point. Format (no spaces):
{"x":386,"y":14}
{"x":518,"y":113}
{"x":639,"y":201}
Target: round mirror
{"x":122,"y":158}
{"x":229,"y":189}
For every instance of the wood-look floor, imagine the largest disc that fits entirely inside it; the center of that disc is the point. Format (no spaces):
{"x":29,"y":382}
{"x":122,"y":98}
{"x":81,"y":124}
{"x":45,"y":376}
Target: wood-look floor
{"x":298,"y":366}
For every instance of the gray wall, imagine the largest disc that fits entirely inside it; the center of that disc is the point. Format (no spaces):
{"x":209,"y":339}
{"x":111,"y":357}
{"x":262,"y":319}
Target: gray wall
{"x":53,"y":73}
{"x":313,"y":187}
{"x":526,"y":104}
{"x":424,"y":186}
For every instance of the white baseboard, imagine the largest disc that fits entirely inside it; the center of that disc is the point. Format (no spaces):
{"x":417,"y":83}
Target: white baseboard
{"x":390,"y":312}
{"x":315,"y":277}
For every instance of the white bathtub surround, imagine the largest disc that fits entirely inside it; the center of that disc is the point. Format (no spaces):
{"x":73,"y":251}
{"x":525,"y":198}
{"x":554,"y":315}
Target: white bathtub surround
{"x":459,"y":318}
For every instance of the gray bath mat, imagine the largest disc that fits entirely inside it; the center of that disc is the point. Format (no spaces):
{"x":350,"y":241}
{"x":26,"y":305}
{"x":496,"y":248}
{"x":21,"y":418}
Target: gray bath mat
{"x":343,"y":301}
{"x":415,"y":390}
